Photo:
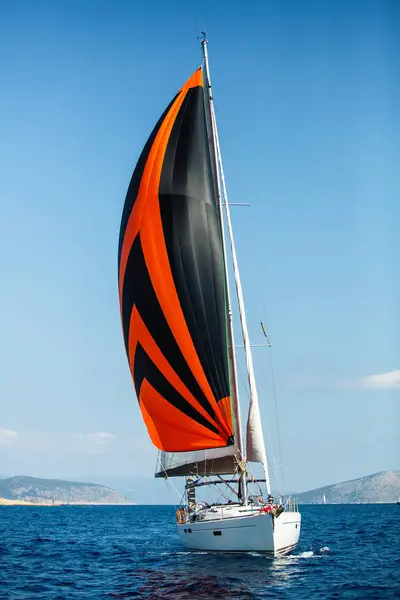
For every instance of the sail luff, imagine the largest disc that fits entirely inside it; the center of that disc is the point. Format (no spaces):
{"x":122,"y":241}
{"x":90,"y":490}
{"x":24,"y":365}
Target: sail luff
{"x":231,"y":342}
{"x":255,"y":438}
{"x":214,"y":147}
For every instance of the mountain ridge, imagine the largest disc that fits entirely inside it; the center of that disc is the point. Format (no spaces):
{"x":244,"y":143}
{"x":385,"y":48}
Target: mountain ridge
{"x":22,"y":489}
{"x":382,"y":487}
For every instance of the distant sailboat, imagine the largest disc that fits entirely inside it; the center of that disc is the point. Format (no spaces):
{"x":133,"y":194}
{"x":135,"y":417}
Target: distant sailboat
{"x":324,"y":499}
{"x":176,"y":316}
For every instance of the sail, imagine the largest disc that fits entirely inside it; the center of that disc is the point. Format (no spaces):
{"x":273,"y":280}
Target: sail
{"x":255,"y":445}
{"x":218,"y":461}
{"x":172,"y":284}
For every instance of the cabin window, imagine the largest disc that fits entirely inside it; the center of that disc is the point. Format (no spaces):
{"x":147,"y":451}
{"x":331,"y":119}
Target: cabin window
{"x":189,"y":531}
{"x":217,"y":532}
{"x":185,"y":530}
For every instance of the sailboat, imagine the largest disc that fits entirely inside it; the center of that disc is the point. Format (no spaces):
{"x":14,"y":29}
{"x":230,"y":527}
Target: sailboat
{"x":176,"y":313}
{"x":324,"y":499}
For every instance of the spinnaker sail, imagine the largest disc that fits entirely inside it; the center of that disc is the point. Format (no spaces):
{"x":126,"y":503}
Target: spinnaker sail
{"x":172,"y":284}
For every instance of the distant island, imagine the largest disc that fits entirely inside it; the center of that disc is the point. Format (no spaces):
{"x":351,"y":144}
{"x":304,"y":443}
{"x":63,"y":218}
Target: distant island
{"x":33,"y":491}
{"x":379,"y":488}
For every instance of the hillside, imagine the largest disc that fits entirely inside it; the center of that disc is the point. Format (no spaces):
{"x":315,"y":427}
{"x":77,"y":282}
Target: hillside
{"x":54,"y":491}
{"x":378,"y":488}
{"x":381,"y":487}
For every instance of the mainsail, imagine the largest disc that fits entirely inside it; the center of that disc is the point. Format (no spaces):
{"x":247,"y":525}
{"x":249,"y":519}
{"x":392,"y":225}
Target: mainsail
{"x":216,"y":461}
{"x":172,"y":289}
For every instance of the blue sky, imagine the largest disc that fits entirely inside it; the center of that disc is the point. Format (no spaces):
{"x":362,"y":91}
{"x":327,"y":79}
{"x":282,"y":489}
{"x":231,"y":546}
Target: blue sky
{"x":307,"y":100}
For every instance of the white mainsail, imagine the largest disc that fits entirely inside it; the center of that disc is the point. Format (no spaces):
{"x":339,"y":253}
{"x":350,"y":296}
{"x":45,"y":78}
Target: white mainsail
{"x":255,"y":438}
{"x":255,"y":446}
{"x":216,"y":461}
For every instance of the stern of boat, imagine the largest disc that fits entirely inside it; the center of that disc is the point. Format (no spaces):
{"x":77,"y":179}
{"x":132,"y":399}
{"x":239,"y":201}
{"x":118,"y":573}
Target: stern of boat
{"x":286,"y":532}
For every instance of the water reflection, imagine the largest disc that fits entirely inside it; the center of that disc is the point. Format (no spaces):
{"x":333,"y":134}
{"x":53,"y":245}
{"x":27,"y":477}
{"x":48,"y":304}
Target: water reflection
{"x":201,"y":576}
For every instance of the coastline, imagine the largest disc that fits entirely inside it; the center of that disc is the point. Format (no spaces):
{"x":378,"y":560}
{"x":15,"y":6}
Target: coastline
{"x":49,"y":502}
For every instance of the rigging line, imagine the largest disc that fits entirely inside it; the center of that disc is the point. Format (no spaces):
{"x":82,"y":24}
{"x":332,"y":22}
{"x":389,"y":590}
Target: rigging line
{"x":271,"y":465}
{"x":273,"y":386}
{"x":166,"y":478}
{"x":221,"y":493}
{"x":272,"y":457}
{"x":243,"y":379}
{"x":227,"y":484}
{"x":277,"y":416}
{"x":274,"y":471}
{"x":271,"y":460}
{"x":182,"y":497}
{"x":260,"y":492}
{"x":252,"y":481}
{"x":271,"y":441}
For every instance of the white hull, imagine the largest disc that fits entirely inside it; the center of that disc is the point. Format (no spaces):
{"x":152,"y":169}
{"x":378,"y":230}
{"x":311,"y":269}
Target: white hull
{"x":251,"y":533}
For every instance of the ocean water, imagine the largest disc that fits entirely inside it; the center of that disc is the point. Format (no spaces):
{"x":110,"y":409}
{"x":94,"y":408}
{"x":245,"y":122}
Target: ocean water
{"x":57,"y":553}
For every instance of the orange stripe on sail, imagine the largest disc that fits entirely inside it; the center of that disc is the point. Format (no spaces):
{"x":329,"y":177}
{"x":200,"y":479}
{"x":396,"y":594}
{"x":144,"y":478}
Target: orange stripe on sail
{"x":225,"y":406}
{"x":156,"y":258}
{"x":135,"y":217}
{"x":138,"y":333}
{"x":170,"y":429}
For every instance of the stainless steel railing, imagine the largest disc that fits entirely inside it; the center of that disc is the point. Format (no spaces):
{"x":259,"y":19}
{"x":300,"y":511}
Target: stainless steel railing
{"x":291,"y":505}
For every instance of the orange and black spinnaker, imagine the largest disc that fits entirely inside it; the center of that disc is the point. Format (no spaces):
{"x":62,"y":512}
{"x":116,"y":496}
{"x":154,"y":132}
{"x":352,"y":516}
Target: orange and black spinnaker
{"x":172,"y":283}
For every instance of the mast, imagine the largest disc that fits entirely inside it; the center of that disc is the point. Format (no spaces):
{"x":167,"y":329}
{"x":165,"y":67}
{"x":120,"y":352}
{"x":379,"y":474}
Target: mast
{"x":246,"y":341}
{"x":213,"y":139}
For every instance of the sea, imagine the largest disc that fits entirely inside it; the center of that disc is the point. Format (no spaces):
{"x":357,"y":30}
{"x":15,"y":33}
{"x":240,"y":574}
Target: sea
{"x":111,"y":552}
